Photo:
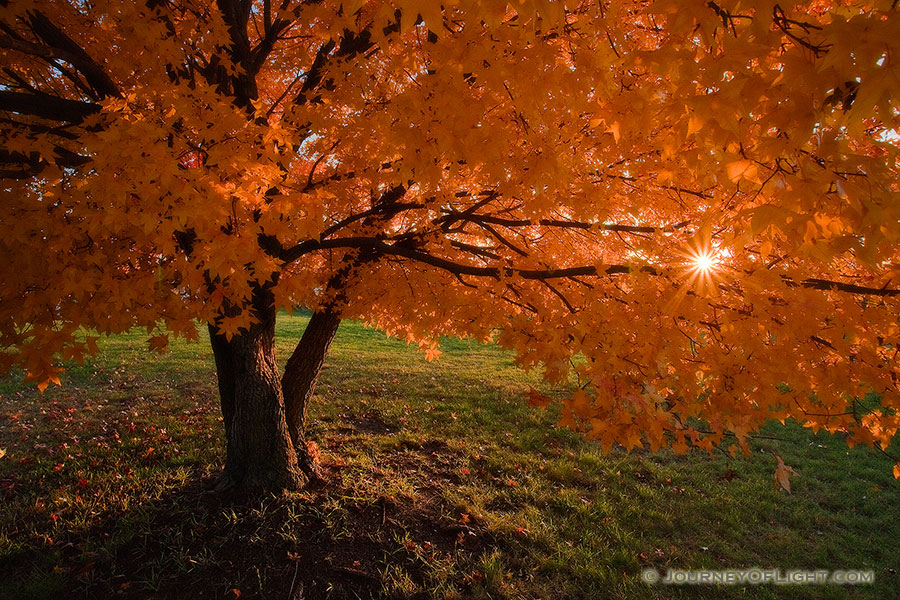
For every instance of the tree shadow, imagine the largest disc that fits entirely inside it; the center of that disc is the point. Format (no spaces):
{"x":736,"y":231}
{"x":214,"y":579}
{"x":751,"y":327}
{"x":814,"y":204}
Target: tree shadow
{"x":326,"y":541}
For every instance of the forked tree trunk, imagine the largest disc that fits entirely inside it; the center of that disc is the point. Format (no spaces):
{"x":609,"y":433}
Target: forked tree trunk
{"x":259,"y":452}
{"x":265,"y":416}
{"x":299,"y":381}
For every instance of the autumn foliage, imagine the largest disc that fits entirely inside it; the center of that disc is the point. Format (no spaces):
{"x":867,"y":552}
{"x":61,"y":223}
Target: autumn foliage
{"x":690,"y":207}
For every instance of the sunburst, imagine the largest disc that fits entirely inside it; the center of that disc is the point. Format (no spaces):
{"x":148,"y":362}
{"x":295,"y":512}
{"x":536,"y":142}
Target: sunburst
{"x":702,"y":270}
{"x":699,"y":269}
{"x":705,"y":262}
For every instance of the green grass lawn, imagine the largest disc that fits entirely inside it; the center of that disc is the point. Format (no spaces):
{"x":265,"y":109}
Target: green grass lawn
{"x":443,"y":484}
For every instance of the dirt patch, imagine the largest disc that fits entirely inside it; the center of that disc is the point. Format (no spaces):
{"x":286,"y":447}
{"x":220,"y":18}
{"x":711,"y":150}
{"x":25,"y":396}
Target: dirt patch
{"x":371,"y":423}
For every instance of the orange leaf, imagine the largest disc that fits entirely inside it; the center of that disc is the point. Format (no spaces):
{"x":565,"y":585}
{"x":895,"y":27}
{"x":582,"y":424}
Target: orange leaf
{"x":536,"y":399}
{"x":695,"y":124}
{"x":616,"y":130}
{"x":741,"y":169}
{"x":159,"y":343}
{"x":782,"y":475}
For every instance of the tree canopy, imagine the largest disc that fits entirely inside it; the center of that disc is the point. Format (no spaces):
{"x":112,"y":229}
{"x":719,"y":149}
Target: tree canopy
{"x":691,"y":206}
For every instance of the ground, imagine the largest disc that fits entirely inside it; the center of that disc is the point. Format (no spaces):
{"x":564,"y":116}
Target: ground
{"x":442,"y":483}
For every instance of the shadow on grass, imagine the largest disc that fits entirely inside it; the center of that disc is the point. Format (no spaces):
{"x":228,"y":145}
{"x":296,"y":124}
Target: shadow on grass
{"x":408,"y":513}
{"x":317,"y":543}
{"x":443,"y":484}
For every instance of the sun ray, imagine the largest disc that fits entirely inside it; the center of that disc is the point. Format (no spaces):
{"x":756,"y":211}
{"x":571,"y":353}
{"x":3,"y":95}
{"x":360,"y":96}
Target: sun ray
{"x":700,"y":270}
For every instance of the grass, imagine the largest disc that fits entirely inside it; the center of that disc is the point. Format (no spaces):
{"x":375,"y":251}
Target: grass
{"x":443,"y":484}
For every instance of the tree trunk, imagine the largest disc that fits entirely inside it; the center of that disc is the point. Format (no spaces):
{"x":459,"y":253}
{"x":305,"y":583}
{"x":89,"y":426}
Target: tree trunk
{"x":299,"y":381}
{"x":259,"y":451}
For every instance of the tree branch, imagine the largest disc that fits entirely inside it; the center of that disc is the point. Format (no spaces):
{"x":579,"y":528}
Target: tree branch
{"x":386,"y":249}
{"x":74,"y":54}
{"x":825,"y":284}
{"x":378,"y":245}
{"x":565,"y":224}
{"x":47,"y":106}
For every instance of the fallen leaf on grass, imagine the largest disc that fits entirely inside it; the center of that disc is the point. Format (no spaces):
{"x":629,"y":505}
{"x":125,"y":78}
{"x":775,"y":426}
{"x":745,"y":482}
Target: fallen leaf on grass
{"x":782,"y":475}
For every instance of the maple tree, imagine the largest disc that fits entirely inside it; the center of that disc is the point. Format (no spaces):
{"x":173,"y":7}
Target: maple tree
{"x":691,"y":206}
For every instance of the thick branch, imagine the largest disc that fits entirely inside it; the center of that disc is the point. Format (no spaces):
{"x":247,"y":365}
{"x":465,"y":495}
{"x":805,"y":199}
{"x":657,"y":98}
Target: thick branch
{"x":560,"y":223}
{"x":236,"y":14}
{"x":74,"y":54}
{"x":315,"y":72}
{"x":350,"y":45}
{"x":825,"y":284}
{"x":46,"y":106}
{"x":261,"y":52}
{"x":292,"y":254}
{"x":377,"y":210}
{"x":386,"y":249}
{"x":35,"y":163}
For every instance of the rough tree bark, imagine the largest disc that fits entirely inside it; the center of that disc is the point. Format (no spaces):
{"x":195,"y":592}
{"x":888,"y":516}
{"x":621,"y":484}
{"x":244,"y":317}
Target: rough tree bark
{"x":299,"y":381}
{"x":259,"y":451}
